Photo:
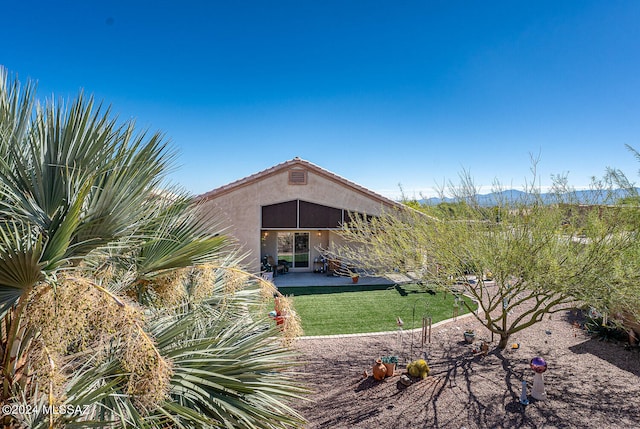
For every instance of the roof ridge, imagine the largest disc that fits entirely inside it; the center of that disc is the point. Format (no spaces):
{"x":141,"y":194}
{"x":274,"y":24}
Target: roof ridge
{"x":291,"y":162}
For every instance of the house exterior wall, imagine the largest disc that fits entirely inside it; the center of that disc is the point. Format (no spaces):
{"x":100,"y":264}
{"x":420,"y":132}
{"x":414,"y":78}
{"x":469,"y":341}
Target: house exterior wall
{"x":241,"y":207}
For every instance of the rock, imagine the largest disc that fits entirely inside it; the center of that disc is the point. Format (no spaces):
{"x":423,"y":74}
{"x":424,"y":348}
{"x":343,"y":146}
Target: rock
{"x":405,"y":380}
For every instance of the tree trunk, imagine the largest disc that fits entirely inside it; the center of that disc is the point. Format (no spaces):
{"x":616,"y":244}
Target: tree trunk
{"x":504,"y":340}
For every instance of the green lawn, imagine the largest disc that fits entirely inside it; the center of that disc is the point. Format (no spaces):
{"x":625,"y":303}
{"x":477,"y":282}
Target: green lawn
{"x":332,"y":310}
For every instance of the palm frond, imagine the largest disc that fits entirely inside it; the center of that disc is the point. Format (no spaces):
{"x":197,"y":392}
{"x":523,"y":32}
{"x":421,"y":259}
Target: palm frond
{"x":16,"y":105}
{"x":21,"y":250}
{"x":80,"y":159}
{"x":179,"y":237}
{"x":230,"y":372}
{"x":121,"y":196}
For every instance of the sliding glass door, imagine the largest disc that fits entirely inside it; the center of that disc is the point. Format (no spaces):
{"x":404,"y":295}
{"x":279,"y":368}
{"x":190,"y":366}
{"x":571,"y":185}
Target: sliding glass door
{"x":293,"y":247}
{"x":301,"y":250}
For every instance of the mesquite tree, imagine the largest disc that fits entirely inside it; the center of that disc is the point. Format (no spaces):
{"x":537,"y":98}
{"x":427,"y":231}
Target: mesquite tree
{"x":518,"y":260}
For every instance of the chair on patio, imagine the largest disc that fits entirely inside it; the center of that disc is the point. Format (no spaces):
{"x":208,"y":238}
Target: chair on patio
{"x":277,"y":268}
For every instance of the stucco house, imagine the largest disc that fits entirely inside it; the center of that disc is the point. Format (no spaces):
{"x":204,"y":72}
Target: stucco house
{"x":288,"y":211}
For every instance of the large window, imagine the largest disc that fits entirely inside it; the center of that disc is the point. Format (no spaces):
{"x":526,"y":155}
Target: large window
{"x":293,"y":247}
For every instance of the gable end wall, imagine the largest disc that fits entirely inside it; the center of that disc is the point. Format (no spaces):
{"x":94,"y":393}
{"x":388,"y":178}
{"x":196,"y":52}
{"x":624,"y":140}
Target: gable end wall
{"x":241,"y":207}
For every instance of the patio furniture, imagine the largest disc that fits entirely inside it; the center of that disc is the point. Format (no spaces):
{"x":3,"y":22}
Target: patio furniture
{"x":278,"y":268}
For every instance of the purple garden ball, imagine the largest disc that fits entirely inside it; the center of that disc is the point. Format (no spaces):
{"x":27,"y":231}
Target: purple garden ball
{"x":538,"y":365}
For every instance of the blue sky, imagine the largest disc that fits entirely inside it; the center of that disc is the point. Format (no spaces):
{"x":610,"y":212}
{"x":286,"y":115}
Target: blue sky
{"x":381,"y":93}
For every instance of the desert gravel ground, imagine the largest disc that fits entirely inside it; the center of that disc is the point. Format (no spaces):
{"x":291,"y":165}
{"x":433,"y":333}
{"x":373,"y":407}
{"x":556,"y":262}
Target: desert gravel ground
{"x":589,"y":383}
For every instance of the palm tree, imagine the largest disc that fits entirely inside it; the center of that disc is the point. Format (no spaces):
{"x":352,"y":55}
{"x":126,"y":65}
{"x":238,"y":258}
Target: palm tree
{"x":119,"y":304}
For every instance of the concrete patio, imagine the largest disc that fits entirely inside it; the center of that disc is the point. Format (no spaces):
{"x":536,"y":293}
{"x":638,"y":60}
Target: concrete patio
{"x":322,"y":279}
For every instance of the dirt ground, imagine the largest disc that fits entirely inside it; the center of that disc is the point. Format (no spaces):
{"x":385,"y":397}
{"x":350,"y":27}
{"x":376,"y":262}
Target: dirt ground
{"x":589,"y":383}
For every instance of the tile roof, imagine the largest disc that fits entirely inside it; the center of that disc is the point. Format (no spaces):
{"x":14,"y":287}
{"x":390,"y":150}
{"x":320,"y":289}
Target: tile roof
{"x":296,"y":162}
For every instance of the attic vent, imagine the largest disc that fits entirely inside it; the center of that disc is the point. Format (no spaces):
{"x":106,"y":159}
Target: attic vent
{"x":297,"y":177}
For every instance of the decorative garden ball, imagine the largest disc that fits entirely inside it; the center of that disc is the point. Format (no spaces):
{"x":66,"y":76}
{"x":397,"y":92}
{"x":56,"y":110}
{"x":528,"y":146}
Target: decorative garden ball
{"x":538,"y":365}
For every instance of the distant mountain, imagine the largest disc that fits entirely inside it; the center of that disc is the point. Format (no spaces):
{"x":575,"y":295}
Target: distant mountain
{"x":513,"y":195}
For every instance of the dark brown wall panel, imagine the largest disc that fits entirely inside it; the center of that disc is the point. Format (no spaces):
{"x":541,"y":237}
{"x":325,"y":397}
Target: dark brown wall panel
{"x":282,"y":215}
{"x":319,"y":216}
